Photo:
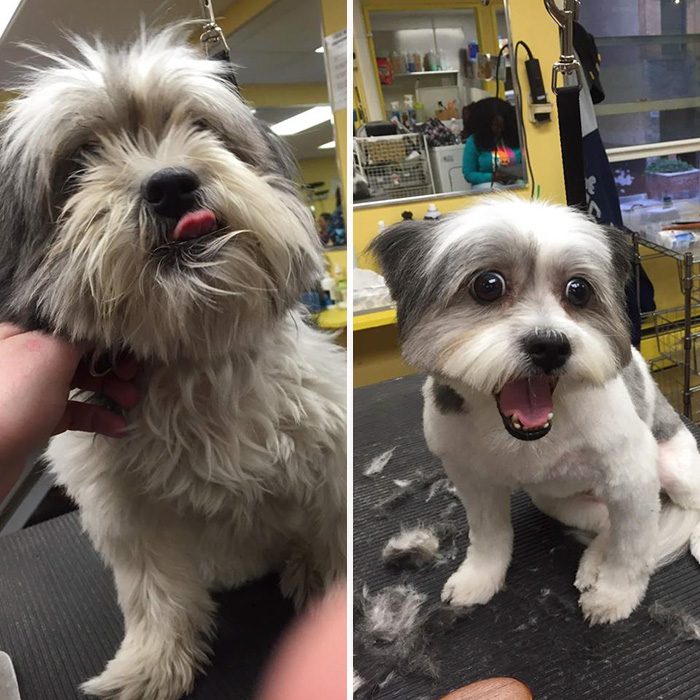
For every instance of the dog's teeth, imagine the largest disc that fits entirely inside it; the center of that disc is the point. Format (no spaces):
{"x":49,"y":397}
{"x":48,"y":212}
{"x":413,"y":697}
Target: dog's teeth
{"x":517,"y":425}
{"x":550,"y":416}
{"x":546,"y":425}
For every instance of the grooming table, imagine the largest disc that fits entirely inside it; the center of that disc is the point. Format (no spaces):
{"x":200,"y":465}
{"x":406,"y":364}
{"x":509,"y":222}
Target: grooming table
{"x":60,"y":623}
{"x":533,"y":630}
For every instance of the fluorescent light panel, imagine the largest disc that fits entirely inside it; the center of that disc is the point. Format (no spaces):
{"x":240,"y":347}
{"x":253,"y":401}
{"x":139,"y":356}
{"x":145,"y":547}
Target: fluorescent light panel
{"x":7,"y":12}
{"x":330,"y":144}
{"x":303,"y":121}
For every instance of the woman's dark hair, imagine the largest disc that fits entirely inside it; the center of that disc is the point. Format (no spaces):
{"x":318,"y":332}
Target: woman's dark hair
{"x":479,"y":120}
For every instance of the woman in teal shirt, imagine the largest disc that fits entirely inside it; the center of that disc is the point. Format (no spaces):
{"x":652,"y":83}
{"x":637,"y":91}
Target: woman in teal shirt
{"x":492,"y":143}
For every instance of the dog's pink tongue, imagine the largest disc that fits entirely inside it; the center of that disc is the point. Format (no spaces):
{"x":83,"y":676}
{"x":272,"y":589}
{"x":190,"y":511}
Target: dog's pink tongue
{"x":528,"y":400}
{"x":194,"y":224}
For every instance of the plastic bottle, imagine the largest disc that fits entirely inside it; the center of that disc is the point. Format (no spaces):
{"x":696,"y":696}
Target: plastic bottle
{"x":418,"y":60}
{"x":432,"y":214}
{"x":410,"y":111}
{"x":410,"y":63}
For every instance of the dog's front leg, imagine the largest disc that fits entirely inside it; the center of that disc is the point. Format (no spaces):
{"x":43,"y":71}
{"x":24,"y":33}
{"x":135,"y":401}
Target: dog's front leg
{"x":614,"y":571}
{"x":483,"y":571}
{"x":168,"y":617}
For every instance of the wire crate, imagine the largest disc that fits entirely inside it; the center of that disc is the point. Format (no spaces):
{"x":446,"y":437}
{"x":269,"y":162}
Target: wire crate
{"x":669,"y":379}
{"x":395,"y":166}
{"x":671,"y":344}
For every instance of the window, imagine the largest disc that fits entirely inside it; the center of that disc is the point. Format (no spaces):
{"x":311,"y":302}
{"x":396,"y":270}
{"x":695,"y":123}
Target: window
{"x":650,"y":118}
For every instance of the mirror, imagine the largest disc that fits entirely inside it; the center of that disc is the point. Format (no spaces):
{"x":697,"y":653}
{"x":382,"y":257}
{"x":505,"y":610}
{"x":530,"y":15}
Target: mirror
{"x":444,"y":124}
{"x":282,"y":73}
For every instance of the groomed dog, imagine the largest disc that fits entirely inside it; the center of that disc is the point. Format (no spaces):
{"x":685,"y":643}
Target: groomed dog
{"x":144,"y":209}
{"x":516,"y":311}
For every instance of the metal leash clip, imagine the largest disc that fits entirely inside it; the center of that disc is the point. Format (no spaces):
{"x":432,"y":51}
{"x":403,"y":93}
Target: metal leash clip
{"x":212,"y":37}
{"x":567,"y":65}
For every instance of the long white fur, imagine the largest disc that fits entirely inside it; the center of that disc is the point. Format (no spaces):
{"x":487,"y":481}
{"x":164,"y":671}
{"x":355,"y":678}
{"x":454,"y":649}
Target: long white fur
{"x":234,"y":461}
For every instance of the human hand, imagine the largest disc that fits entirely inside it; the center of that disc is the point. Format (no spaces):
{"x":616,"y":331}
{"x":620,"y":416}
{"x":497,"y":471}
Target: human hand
{"x":311,"y":662}
{"x":38,"y":372}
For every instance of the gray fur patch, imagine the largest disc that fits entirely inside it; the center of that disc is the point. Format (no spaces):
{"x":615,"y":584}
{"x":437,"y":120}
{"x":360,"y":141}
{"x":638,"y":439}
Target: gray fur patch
{"x":666,"y":421}
{"x":394,"y":630}
{"x":447,"y":400}
{"x":404,"y":251}
{"x":680,"y":623}
{"x":634,"y":381}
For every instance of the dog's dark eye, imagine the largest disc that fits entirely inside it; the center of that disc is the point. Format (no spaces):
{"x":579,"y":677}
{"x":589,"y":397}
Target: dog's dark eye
{"x":489,"y":286}
{"x":200,"y":125}
{"x":578,"y":291}
{"x":84,"y":151}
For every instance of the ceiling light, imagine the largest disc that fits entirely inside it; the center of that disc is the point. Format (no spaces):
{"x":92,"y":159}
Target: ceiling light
{"x":330,"y":144}
{"x":7,"y":12}
{"x":303,"y":121}
{"x":319,"y":49}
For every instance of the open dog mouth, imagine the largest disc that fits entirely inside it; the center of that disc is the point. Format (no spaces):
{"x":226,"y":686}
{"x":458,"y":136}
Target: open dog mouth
{"x":526,"y":406}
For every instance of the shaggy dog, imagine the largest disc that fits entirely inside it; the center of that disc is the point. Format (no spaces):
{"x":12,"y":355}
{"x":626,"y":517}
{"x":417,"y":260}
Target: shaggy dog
{"x":144,"y":209}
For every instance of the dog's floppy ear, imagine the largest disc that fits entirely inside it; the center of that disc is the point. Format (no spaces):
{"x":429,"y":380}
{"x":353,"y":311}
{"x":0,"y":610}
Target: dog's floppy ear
{"x":402,"y":251}
{"x":620,"y":244}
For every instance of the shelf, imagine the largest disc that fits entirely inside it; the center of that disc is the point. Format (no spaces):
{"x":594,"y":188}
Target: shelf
{"x":425,"y":72}
{"x":373,"y":319}
{"x":332,"y":319}
{"x":677,"y":254}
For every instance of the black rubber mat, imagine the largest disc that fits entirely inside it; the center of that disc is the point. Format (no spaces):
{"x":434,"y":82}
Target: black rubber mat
{"x":60,"y":623}
{"x":533,"y":630}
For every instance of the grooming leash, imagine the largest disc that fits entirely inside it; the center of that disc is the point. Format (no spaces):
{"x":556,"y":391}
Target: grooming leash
{"x":213,"y":39}
{"x":568,"y":106}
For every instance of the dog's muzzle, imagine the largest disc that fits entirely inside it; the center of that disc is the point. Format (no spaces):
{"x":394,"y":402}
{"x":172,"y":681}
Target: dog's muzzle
{"x":526,"y":405}
{"x":547,"y":349}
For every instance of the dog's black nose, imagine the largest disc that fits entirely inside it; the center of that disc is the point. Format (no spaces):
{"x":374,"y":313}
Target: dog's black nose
{"x":547,"y":350}
{"x":171,"y":191}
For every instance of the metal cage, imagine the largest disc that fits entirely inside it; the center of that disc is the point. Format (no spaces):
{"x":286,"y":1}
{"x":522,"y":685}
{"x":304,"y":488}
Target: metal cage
{"x":395,"y":166}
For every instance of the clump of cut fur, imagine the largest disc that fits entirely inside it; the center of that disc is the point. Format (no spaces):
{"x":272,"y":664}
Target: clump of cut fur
{"x":413,"y":549}
{"x":394,"y":628}
{"x":376,"y":466}
{"x":406,"y":489}
{"x":680,"y":623}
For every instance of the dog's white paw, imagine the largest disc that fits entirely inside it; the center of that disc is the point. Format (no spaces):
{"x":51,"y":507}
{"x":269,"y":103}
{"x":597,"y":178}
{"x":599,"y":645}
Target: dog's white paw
{"x":590,"y":563}
{"x":604,"y":603}
{"x":588,"y":569}
{"x":145,"y":674}
{"x":470,"y":585}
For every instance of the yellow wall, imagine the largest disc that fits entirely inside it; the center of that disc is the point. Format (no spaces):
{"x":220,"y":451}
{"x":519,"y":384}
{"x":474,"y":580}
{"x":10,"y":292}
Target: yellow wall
{"x":325,"y":169}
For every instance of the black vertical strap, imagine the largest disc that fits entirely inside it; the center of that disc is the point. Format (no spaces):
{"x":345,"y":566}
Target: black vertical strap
{"x":571,"y":145}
